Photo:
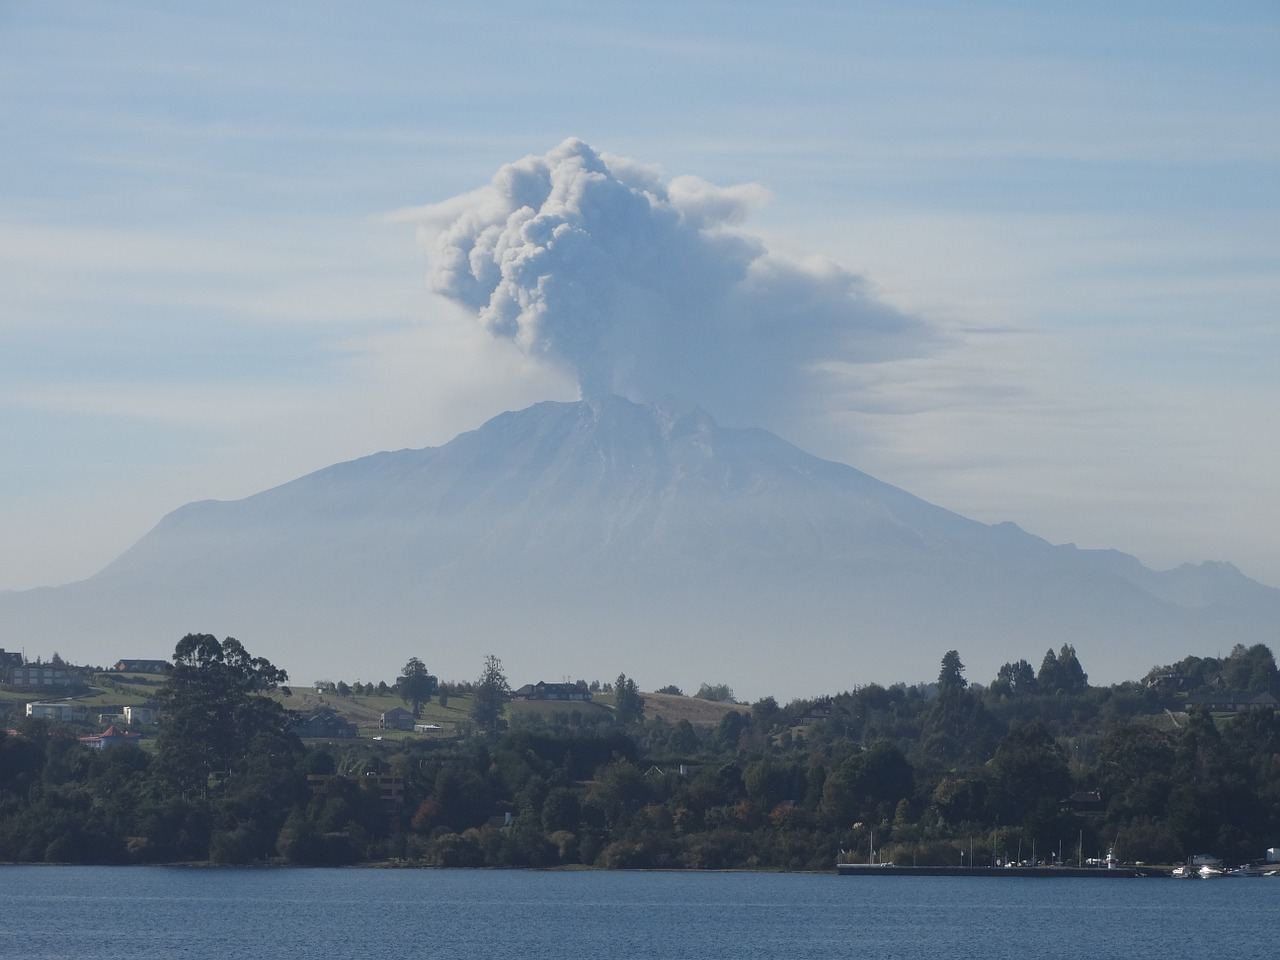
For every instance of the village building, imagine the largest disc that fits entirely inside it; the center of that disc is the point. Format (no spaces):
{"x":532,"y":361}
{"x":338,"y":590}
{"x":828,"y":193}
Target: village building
{"x":1084,"y":801}
{"x":141,"y":666}
{"x":138,"y":715}
{"x":8,"y":661}
{"x":58,"y":711}
{"x":542,"y":690}
{"x":397,"y":718}
{"x":111,"y":737}
{"x":324,"y":724}
{"x":40,"y":675}
{"x":389,"y":787}
{"x":1227,"y":702}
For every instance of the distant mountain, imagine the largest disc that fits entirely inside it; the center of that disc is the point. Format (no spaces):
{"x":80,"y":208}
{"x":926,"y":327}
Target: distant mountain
{"x":587,"y":539}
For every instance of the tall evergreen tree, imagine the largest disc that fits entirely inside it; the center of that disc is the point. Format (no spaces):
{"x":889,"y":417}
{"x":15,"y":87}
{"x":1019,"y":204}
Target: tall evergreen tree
{"x":1016,"y":679}
{"x":628,"y":704}
{"x":1071,"y":675}
{"x":416,"y":686}
{"x":1049,"y":679}
{"x":489,"y":699}
{"x":213,"y":712}
{"x":951,"y":674}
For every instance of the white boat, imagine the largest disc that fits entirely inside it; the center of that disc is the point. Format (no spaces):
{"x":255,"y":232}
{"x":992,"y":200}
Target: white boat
{"x":1243,"y":872}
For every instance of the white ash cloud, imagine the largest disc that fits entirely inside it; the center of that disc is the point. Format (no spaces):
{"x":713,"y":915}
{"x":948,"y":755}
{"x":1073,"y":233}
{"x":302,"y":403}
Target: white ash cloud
{"x":649,"y":288}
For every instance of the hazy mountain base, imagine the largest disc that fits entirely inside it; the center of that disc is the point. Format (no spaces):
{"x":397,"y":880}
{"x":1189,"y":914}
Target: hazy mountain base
{"x":577,"y":539}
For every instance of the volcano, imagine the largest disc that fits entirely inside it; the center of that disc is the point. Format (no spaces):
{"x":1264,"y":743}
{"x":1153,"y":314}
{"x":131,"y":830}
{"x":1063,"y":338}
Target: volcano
{"x":581,"y":540}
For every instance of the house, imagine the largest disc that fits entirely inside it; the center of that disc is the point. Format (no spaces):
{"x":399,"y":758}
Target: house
{"x":60,"y":711}
{"x":110,"y":737}
{"x":40,"y":675}
{"x":7,"y":662}
{"x":819,"y":711}
{"x":1084,"y":801}
{"x":139,"y":716}
{"x":389,"y":787}
{"x":141,"y":666}
{"x":1166,"y":682}
{"x":1228,"y":702}
{"x":397,"y":718}
{"x":324,"y":724}
{"x":553,"y":691}
{"x":823,"y":710}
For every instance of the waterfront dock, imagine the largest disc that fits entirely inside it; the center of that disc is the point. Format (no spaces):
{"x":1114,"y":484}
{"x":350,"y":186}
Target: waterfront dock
{"x":1044,"y":872}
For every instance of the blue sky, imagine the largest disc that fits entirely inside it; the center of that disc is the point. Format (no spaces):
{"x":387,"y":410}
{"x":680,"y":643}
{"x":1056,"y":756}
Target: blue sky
{"x":205,"y":290}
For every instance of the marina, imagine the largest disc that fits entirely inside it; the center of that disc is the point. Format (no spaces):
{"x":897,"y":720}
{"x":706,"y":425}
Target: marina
{"x":1041,"y":872}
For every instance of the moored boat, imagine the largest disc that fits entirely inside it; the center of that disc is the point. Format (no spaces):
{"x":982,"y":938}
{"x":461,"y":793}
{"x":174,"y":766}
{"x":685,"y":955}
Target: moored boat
{"x":1243,"y":871}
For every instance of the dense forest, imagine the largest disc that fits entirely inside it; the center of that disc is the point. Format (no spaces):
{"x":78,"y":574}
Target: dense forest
{"x":1037,"y":764}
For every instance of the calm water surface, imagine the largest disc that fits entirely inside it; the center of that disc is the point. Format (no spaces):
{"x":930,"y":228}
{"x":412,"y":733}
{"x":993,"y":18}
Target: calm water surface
{"x":146,"y":913}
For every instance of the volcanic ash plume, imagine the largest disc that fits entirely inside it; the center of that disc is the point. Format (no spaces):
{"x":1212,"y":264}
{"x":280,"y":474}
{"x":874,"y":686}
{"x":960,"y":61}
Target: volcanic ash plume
{"x":646,"y":288}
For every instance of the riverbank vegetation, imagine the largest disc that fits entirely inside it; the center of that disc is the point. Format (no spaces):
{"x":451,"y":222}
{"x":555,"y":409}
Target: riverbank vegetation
{"x":1037,"y":764}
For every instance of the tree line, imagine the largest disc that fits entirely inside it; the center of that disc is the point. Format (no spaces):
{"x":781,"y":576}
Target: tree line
{"x":1036,"y":763}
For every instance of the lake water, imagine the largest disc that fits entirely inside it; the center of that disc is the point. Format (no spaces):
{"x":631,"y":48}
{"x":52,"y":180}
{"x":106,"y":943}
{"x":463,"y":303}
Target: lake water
{"x":141,"y":913}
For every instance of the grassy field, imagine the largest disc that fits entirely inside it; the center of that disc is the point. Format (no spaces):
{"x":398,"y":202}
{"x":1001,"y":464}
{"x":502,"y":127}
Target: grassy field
{"x":700,"y":713}
{"x":118,"y":689}
{"x":547,"y":709}
{"x":104,"y":689}
{"x":121,"y":688}
{"x":365,"y":711}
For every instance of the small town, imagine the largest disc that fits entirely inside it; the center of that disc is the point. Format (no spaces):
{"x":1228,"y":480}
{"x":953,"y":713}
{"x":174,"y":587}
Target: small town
{"x":211,"y":757}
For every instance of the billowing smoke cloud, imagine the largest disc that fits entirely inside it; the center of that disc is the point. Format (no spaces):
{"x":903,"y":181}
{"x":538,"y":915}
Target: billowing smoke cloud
{"x":650,"y":289}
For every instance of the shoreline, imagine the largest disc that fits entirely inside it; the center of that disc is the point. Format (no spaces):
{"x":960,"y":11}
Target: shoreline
{"x":1091,"y":873}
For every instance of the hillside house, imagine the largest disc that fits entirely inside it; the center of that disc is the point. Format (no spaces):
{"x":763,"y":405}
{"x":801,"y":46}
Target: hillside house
{"x":1171,"y":682}
{"x":7,"y":662}
{"x":1084,"y":801}
{"x":1227,"y":702}
{"x":111,"y":737}
{"x":40,"y":675}
{"x":137,"y":715}
{"x":141,"y":666}
{"x":542,"y":690}
{"x":324,"y":724}
{"x":823,"y":710}
{"x":58,"y":711}
{"x":397,"y":718}
{"x":389,"y":787}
